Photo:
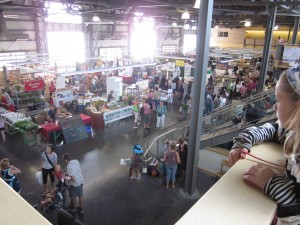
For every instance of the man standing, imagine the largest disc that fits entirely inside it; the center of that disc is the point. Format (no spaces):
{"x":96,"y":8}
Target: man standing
{"x":75,"y":177}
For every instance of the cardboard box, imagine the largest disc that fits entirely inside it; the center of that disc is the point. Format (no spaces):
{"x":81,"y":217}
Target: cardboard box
{"x":281,"y":64}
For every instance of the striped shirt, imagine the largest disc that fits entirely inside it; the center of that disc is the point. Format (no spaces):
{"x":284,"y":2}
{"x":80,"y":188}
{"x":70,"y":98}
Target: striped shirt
{"x":284,"y":189}
{"x":73,"y":169}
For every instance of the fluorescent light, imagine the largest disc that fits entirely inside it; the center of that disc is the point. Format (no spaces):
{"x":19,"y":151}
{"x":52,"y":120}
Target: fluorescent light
{"x":138,"y":14}
{"x":197,"y":4}
{"x":185,"y":15}
{"x":247,"y":24}
{"x":174,"y":24}
{"x":96,"y":19}
{"x":11,"y":16}
{"x":276,"y":27}
{"x":216,"y":27}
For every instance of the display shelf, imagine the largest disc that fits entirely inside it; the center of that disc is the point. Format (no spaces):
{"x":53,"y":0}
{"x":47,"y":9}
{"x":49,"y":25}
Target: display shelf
{"x":31,"y":99}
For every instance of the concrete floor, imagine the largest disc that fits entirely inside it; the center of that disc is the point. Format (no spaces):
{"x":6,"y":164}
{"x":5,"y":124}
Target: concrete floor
{"x":110,"y":198}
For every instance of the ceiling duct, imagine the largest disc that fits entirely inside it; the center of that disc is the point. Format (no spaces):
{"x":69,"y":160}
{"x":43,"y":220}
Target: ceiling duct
{"x":4,"y":33}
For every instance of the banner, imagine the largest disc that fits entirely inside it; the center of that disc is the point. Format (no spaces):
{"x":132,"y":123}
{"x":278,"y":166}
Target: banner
{"x":34,"y":85}
{"x":117,"y":114}
{"x":291,"y":55}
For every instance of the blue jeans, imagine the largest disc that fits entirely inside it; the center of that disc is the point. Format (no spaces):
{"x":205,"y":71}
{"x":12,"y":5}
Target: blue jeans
{"x":171,"y":172}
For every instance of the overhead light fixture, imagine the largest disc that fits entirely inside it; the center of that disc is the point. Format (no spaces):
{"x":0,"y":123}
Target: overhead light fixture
{"x":197,"y":4}
{"x":276,"y":27}
{"x":247,"y":24}
{"x":96,"y":19}
{"x":216,"y":27}
{"x":185,"y":15}
{"x":186,"y":26}
{"x":174,"y":24}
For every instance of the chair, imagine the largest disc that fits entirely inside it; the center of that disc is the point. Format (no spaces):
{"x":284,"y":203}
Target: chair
{"x":77,"y":222}
{"x":64,"y":218}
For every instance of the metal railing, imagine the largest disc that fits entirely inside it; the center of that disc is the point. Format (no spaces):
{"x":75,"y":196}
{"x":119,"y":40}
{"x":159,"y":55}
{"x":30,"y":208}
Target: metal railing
{"x":219,"y":126}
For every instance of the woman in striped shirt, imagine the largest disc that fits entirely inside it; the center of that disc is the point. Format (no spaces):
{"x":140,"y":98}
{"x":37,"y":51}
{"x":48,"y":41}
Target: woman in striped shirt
{"x":284,"y":189}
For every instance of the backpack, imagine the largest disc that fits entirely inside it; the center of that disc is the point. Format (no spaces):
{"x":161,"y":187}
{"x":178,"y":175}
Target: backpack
{"x":142,"y":110}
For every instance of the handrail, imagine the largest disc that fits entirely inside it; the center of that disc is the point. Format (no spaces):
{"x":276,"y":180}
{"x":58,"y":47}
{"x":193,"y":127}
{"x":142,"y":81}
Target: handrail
{"x":149,"y":142}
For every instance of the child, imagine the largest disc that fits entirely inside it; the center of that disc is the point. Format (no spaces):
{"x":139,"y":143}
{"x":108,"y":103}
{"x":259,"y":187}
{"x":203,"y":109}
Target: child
{"x":283,"y":188}
{"x":59,"y":175}
{"x":50,"y":196}
{"x":137,"y":163}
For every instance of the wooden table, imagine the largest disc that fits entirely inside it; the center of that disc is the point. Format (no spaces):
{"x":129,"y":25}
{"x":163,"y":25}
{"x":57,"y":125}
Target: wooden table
{"x":231,"y":201}
{"x":15,"y":210}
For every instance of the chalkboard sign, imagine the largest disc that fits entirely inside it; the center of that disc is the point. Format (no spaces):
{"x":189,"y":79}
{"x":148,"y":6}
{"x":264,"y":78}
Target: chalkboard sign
{"x":73,"y":129}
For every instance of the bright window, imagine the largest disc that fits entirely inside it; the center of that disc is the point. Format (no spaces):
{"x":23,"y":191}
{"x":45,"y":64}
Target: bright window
{"x":189,"y":44}
{"x":143,"y":40}
{"x":66,"y":47}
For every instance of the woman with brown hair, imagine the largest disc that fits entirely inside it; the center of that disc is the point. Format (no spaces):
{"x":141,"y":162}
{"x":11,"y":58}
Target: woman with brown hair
{"x":171,"y":157}
{"x":48,"y":163}
{"x":8,"y":173}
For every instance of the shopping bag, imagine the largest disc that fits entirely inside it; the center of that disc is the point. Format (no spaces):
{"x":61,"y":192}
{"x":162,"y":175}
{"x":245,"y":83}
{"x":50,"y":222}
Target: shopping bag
{"x":125,"y":162}
{"x":39,"y":177}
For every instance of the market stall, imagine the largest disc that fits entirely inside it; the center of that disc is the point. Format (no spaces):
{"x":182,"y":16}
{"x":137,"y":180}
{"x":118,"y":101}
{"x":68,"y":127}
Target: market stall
{"x":19,"y":123}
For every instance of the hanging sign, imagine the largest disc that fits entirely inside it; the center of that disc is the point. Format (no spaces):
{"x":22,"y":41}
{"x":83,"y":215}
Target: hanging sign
{"x":34,"y":85}
{"x":179,"y":63}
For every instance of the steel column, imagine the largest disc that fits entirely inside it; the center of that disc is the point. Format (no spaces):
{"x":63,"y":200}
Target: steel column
{"x":202,"y":50}
{"x":37,"y":34}
{"x":272,"y":10}
{"x":295,"y":30}
{"x":129,"y":38}
{"x":181,"y":40}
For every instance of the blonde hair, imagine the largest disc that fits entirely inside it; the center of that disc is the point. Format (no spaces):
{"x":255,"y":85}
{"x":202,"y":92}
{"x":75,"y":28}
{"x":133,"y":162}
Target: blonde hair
{"x":4,"y":164}
{"x":172,"y":145}
{"x":292,"y":142}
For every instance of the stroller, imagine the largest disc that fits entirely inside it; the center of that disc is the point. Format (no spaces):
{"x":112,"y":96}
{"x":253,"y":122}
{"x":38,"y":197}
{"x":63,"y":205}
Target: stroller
{"x":55,"y":198}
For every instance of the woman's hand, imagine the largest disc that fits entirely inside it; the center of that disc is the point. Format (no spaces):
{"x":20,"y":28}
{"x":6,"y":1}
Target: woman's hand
{"x":258,"y":175}
{"x":236,"y":154}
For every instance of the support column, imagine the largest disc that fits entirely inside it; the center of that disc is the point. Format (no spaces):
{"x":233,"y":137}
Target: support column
{"x":272,"y":10}
{"x":181,"y":40}
{"x":129,"y":38}
{"x":202,"y":51}
{"x":37,"y":35}
{"x":295,"y":30}
{"x":5,"y":77}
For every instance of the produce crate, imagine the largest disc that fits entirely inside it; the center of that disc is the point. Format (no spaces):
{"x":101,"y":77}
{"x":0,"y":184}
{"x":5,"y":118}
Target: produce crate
{"x":39,"y":119}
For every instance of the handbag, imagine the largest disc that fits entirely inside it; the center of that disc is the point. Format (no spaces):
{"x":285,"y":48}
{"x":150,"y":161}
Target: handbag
{"x":39,"y":177}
